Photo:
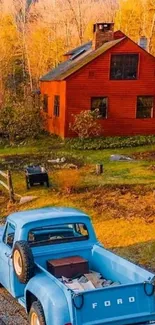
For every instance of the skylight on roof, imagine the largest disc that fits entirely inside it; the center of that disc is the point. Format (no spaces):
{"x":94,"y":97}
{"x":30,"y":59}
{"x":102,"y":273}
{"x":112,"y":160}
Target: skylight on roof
{"x":77,"y":54}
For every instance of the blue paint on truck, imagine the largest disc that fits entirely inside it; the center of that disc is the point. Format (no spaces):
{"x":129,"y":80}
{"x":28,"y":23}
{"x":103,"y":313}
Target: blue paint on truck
{"x":132,"y":302}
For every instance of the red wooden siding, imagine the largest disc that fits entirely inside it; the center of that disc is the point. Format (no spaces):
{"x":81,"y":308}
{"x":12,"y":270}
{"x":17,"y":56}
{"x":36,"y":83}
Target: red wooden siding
{"x":118,"y":34}
{"x":55,"y":124}
{"x":122,"y":94}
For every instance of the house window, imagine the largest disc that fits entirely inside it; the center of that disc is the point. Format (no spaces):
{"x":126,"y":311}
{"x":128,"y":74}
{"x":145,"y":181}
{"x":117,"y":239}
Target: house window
{"x":56,"y":106}
{"x":145,"y":106}
{"x":124,"y":67}
{"x":100,"y":103}
{"x":45,"y":103}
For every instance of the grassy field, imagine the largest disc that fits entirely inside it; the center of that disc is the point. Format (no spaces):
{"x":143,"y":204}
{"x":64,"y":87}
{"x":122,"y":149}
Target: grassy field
{"x":121,"y":202}
{"x":136,"y":172}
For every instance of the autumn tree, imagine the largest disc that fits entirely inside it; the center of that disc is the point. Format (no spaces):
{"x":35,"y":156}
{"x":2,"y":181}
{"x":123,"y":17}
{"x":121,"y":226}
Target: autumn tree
{"x":34,"y":35}
{"x":9,"y":54}
{"x":151,"y":25}
{"x":45,"y":29}
{"x":136,"y":19}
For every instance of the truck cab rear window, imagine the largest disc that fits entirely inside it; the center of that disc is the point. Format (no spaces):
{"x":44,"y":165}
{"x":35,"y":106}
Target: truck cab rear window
{"x":64,"y":233}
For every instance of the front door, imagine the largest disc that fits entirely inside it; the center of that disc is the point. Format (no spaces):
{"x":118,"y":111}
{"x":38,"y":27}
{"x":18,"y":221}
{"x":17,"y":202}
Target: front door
{"x":5,"y":255}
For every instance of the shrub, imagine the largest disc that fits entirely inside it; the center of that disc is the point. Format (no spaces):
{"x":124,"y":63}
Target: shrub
{"x":85,"y":124}
{"x":68,"y":180}
{"x":110,"y":142}
{"x":19,"y":121}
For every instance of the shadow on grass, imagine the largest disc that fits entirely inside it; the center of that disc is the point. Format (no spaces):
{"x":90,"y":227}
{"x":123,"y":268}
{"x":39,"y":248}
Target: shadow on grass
{"x":143,"y":254}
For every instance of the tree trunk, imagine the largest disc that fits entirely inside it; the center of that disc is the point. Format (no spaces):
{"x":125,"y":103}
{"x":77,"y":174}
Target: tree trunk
{"x":152,"y":33}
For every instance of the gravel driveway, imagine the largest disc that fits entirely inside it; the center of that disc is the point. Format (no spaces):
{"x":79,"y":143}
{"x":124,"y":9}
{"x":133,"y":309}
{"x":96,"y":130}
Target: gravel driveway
{"x":11,"y":313}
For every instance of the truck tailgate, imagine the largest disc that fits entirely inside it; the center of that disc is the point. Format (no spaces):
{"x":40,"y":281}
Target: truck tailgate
{"x":125,"y":304}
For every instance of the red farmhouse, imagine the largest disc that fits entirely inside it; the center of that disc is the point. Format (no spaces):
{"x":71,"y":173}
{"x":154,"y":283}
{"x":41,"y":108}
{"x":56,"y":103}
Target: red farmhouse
{"x":111,"y":73}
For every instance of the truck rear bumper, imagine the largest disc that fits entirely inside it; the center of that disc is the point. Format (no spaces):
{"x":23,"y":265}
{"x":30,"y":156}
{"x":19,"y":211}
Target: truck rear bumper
{"x":148,"y":323}
{"x":121,"y":321}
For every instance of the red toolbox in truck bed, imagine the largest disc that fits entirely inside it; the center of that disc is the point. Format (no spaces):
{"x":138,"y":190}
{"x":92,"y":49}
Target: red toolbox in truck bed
{"x":68,"y":267}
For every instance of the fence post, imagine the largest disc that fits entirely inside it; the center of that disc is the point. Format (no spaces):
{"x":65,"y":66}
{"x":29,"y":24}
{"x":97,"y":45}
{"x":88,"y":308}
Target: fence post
{"x":99,"y":169}
{"x":10,"y":186}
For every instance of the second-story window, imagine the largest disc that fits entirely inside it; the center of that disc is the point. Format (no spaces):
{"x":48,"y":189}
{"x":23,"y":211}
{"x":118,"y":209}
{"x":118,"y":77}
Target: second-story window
{"x":56,"y":106}
{"x":124,"y":67}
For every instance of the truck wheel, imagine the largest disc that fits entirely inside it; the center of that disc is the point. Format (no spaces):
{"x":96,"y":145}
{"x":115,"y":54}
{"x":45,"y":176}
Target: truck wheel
{"x":23,"y":261}
{"x":36,"y":315}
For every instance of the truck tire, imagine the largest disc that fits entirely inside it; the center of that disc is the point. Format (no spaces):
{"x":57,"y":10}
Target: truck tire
{"x":36,"y":314}
{"x":23,"y":262}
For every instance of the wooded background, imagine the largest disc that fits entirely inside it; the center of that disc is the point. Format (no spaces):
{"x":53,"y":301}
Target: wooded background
{"x":34,"y":34}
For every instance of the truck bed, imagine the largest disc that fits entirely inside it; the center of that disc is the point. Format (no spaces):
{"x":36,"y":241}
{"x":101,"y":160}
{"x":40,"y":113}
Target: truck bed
{"x":132,"y":302}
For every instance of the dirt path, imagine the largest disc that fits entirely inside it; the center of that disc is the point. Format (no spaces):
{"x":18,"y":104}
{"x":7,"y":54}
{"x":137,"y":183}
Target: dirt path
{"x":11,"y":313}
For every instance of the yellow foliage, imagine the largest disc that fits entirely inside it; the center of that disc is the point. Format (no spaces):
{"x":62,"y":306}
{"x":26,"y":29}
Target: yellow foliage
{"x":136,"y":19}
{"x":9,"y":47}
{"x":43,"y":50}
{"x":68,"y":180}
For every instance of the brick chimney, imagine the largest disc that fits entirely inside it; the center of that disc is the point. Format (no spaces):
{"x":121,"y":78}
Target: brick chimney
{"x":103,"y":32}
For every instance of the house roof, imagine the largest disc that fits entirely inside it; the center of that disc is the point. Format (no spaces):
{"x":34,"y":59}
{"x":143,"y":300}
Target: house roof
{"x":87,"y":54}
{"x":85,"y":47}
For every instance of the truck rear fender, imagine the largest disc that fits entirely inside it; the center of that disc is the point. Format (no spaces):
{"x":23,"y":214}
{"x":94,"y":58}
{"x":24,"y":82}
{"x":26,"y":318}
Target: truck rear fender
{"x":51,"y":297}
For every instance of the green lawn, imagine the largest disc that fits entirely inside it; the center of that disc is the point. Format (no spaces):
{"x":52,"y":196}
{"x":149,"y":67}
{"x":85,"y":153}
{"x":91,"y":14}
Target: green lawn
{"x":136,"y":172}
{"x":120,"y":201}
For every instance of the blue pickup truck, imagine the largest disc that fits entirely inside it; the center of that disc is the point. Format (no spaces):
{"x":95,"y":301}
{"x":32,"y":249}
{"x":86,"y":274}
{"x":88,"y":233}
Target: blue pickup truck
{"x":31,"y":238}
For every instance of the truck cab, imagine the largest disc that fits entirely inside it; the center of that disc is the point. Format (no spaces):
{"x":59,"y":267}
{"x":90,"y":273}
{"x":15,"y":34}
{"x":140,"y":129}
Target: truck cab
{"x":30,"y":239}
